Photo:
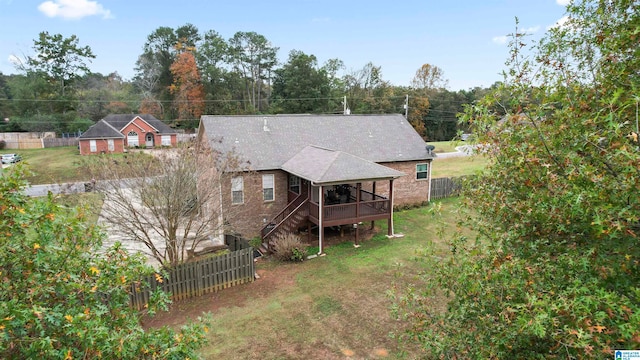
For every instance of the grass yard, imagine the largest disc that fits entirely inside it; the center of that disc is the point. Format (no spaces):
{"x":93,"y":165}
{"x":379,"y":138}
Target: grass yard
{"x":458,"y":166}
{"x":90,"y":202}
{"x":52,"y":165}
{"x":332,"y":307}
{"x":445,"y":146}
{"x":57,"y":165}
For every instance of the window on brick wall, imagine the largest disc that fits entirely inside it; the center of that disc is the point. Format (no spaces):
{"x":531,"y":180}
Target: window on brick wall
{"x":294,"y":184}
{"x":111,"y":145}
{"x":237,"y":190}
{"x":93,"y":146}
{"x":422,"y":171}
{"x":268,"y":187}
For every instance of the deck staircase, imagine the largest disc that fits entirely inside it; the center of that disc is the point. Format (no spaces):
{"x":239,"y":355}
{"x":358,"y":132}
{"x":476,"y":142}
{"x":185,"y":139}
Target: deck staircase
{"x":287,"y":221}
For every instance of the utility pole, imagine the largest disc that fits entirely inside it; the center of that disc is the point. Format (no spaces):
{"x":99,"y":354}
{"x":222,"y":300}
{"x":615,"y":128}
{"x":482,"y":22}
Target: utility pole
{"x":406,"y":106}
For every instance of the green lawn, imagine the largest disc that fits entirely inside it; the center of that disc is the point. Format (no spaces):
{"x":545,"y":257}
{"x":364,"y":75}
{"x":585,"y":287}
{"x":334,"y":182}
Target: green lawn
{"x":445,"y":146}
{"x":51,"y":165}
{"x":90,"y":203}
{"x":458,"y":166}
{"x":332,"y":307}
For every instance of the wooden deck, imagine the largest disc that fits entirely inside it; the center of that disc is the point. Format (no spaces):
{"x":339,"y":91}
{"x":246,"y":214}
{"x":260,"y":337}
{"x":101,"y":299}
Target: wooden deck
{"x":350,"y":213}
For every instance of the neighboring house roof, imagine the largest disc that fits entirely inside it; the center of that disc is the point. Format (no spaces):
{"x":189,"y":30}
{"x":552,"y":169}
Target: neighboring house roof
{"x":101,"y":130}
{"x":119,"y":121}
{"x":324,"y":166}
{"x":269,"y":141}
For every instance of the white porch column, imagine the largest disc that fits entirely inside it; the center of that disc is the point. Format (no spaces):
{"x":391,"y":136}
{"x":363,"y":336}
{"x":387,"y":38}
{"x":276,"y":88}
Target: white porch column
{"x":320,"y":216}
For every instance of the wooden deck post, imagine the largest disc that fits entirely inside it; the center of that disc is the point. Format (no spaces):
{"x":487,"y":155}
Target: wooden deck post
{"x":358,"y":198}
{"x":373,"y":190}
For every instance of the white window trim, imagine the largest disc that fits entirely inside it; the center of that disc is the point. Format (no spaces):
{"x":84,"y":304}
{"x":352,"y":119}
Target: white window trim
{"x":165,"y":140}
{"x":272,"y":187}
{"x":93,"y":146}
{"x":425,"y":172}
{"x":237,"y":185}
{"x":111,"y":145}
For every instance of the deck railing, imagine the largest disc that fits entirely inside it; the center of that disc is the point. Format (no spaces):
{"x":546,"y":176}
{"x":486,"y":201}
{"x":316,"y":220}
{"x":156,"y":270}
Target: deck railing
{"x":282,"y":215}
{"x":351,"y":210}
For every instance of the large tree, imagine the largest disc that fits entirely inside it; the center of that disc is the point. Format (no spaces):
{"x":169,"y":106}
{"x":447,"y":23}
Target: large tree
{"x":254,"y":57}
{"x":300,"y":86}
{"x":368,"y":93}
{"x":153,"y":67}
{"x":168,"y":203}
{"x":428,"y":80}
{"x":61,"y":59}
{"x":65,"y":297}
{"x":555,"y":269}
{"x":187,"y":90}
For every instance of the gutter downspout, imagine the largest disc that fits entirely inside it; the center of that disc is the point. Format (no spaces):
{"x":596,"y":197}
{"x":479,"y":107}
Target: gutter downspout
{"x":429,"y":175}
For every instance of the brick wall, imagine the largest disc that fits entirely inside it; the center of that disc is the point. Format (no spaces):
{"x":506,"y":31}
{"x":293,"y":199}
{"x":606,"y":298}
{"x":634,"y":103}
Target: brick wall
{"x":407,"y":190}
{"x":102,"y":146}
{"x":249,"y":218}
{"x":142,"y":128}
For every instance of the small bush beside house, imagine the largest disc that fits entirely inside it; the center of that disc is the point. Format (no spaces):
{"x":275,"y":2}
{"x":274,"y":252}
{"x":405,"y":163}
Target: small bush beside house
{"x":289,"y":247}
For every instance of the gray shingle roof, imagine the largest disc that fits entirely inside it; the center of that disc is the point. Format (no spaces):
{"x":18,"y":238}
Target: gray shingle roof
{"x":119,"y":121}
{"x":101,"y":130}
{"x":269,"y":141}
{"x":323,"y":166}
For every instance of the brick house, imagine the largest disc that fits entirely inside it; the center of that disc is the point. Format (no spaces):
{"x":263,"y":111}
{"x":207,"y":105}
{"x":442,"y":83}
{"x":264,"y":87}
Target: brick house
{"x":318,"y":170}
{"x":117,"y":131}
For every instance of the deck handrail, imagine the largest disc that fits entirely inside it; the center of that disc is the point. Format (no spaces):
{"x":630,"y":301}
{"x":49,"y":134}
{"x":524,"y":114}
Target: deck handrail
{"x":291,"y":208}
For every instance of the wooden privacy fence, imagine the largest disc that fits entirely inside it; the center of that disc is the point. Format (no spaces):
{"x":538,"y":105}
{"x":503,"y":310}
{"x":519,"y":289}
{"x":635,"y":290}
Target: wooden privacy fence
{"x":198,"y":278}
{"x":59,"y":142}
{"x":445,"y":187}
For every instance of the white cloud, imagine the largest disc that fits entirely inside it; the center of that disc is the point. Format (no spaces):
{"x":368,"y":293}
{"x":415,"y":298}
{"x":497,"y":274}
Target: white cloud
{"x":563,"y":2}
{"x":560,"y":23}
{"x":500,"y":39}
{"x":14,"y":60}
{"x":505,"y":38}
{"x":73,"y":9}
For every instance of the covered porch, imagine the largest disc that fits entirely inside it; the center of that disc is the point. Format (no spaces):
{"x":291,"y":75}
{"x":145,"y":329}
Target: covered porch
{"x":356,"y":206}
{"x":331,"y":192}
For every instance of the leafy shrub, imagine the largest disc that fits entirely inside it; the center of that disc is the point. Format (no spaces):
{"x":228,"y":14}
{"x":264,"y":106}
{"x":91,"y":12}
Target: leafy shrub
{"x":3,"y":144}
{"x":65,"y":297}
{"x":288,"y":247}
{"x":255,"y":242}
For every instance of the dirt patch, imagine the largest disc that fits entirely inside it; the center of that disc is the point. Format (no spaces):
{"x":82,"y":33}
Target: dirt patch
{"x":271,"y":279}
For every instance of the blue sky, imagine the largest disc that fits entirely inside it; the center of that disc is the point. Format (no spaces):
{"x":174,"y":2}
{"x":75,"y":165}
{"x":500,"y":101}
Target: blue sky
{"x":465,"y":38}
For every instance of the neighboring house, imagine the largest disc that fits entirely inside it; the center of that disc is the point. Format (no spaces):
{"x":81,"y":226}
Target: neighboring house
{"x":355,"y":168}
{"x":116,"y":132}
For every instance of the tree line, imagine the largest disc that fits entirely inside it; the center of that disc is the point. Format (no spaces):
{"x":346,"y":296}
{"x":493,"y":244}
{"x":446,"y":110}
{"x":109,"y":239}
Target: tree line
{"x":183,"y":73}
